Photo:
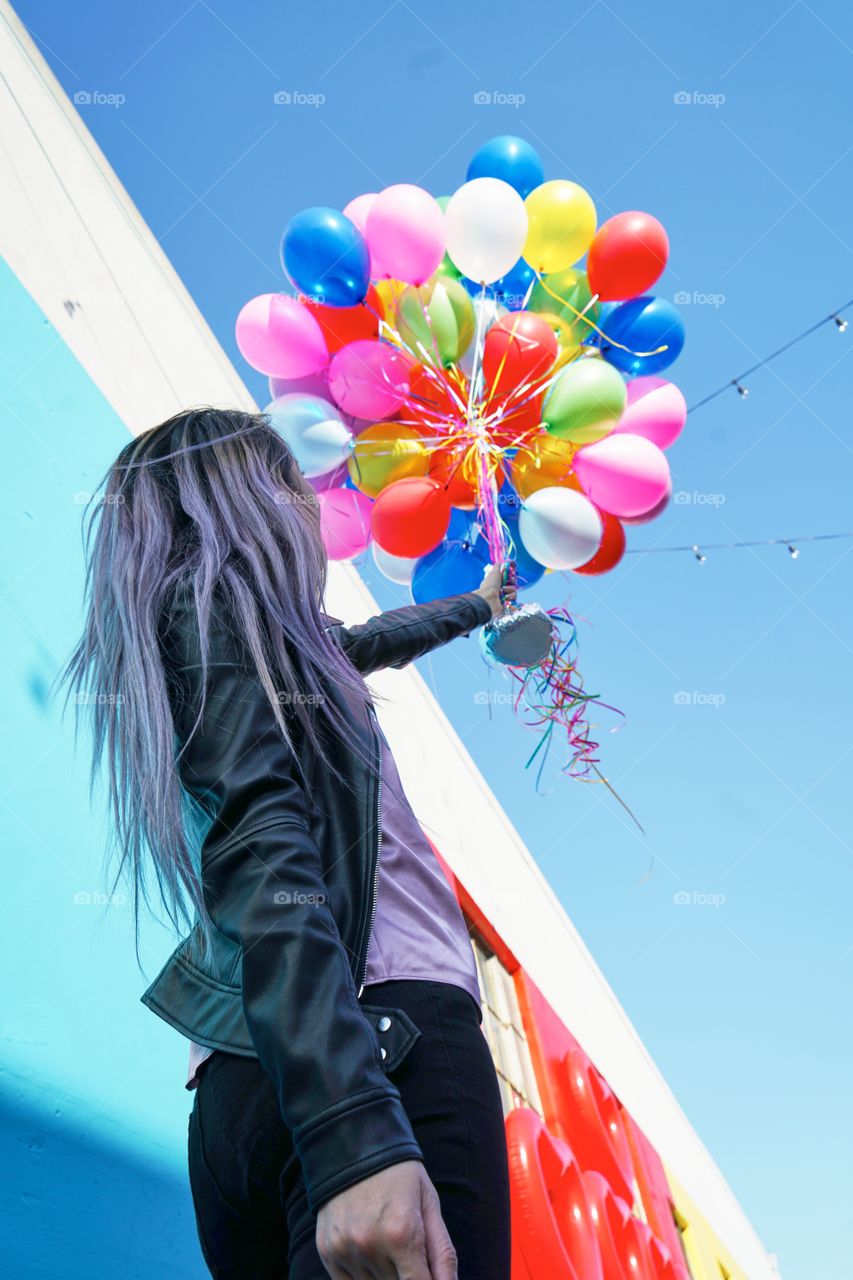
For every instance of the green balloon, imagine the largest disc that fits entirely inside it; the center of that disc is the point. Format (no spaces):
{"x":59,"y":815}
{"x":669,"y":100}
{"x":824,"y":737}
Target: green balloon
{"x":439,"y":316}
{"x":585,"y":402}
{"x":446,"y":267}
{"x":571,"y":287}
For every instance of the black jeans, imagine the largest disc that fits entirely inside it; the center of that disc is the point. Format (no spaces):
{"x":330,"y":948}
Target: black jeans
{"x":251,"y":1209}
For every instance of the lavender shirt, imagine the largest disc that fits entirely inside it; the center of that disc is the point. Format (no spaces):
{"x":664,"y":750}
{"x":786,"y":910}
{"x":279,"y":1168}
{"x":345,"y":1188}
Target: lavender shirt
{"x":418,"y":928}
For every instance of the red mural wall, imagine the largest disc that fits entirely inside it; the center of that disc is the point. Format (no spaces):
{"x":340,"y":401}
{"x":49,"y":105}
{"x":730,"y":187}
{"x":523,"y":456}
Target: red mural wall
{"x":590,"y":1199}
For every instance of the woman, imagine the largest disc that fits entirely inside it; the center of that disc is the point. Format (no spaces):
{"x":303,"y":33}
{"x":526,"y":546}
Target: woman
{"x":347,"y":1120}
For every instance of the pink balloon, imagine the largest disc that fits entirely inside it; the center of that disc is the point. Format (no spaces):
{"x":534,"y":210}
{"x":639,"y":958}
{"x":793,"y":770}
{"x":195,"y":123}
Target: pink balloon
{"x":656,"y":409}
{"x":344,"y":522}
{"x":280,"y":338}
{"x":657,"y":510}
{"x":405,"y":234}
{"x":370,"y":379}
{"x":624,"y":474}
{"x":358,"y":209}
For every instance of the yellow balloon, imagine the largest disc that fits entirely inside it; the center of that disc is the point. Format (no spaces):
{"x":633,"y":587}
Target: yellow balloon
{"x":390,"y":291}
{"x":561,"y":223}
{"x":568,"y":345}
{"x":544,"y":462}
{"x":386,"y":452}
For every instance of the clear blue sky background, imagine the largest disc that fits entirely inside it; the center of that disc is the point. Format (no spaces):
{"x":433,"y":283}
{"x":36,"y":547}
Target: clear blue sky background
{"x":744,"y":1005}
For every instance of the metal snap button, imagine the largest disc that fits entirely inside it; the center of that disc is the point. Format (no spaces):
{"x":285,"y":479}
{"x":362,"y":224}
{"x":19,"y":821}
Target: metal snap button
{"x":384,"y":1023}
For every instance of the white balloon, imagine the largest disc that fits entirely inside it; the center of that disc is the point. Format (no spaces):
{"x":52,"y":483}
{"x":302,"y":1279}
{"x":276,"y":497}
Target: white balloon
{"x":560,"y":527}
{"x":396,"y":568}
{"x":486,"y":225}
{"x":486,"y":311}
{"x":313,"y":428}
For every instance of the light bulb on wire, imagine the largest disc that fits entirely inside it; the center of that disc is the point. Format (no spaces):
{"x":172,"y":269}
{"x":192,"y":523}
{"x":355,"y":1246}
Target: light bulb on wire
{"x":698,"y":554}
{"x":840,"y":324}
{"x":742,"y":391}
{"x":793,"y":551}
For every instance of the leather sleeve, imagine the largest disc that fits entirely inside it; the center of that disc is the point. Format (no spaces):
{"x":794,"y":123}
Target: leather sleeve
{"x":264,"y":888}
{"x":396,"y":638}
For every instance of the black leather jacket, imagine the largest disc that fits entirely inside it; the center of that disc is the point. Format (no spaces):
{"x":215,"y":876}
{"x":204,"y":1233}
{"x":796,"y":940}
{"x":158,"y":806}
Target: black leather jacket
{"x":289,"y":873}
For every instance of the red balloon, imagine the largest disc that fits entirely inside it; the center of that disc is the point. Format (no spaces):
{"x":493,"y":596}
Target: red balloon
{"x":342,"y":325}
{"x":410,"y":517}
{"x":519,"y":348}
{"x":627,"y":256}
{"x":612,"y":547}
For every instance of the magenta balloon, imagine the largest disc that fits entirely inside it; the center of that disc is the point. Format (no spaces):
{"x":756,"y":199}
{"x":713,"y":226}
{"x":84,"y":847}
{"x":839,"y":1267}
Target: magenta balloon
{"x":624,"y":474}
{"x":344,"y":522}
{"x":656,"y":409}
{"x":648,"y":516}
{"x":405,"y":233}
{"x":370,"y":379}
{"x":280,"y":338}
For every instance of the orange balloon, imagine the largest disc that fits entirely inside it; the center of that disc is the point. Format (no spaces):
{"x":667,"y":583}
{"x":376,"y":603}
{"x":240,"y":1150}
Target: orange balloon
{"x":612,"y":547}
{"x":385,"y":452}
{"x":542,"y":462}
{"x":446,"y":468}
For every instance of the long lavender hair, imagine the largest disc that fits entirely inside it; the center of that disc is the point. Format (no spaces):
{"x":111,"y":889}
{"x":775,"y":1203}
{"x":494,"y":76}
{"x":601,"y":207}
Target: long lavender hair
{"x":211,"y":500}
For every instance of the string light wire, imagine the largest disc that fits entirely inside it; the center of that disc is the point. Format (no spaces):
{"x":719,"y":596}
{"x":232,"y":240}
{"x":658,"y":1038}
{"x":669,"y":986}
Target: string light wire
{"x":834,"y":317}
{"x":697,"y":548}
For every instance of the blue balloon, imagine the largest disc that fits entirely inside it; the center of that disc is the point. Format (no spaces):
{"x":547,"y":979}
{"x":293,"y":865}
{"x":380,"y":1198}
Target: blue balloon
{"x":509,"y":499}
{"x":643,"y":324}
{"x":461,"y":524}
{"x":453,"y":568}
{"x":512,"y":160}
{"x":326,"y":257}
{"x":510,"y":291}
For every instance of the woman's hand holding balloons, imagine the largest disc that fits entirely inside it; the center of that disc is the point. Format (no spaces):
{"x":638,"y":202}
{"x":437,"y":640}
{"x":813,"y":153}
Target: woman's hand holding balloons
{"x":497,"y":589}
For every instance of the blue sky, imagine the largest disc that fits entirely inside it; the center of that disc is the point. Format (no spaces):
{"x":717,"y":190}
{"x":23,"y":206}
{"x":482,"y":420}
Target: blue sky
{"x":743,"y":794}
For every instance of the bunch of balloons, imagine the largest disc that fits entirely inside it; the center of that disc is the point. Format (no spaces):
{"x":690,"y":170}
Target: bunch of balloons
{"x":474,"y":377}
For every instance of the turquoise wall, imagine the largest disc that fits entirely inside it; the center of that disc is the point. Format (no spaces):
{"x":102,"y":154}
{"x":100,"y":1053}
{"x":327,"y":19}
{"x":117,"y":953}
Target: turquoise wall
{"x":92,"y":1102}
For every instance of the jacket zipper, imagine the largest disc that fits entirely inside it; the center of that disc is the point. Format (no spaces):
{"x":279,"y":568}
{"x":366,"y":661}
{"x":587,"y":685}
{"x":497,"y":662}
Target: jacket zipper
{"x":372,"y":902}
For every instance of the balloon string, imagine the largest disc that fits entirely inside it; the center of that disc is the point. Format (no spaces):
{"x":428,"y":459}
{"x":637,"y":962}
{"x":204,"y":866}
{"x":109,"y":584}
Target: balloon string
{"x":581,"y":316}
{"x":617,"y":796}
{"x":552,"y":695}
